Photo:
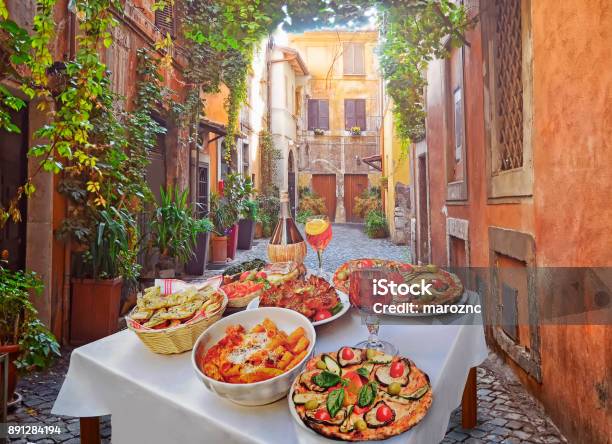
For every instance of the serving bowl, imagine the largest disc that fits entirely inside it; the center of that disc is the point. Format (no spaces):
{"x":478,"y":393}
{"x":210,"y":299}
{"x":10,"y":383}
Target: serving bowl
{"x":256,"y":393}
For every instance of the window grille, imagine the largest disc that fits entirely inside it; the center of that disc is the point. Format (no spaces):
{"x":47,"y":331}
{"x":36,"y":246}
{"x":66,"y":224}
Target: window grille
{"x":509,"y":84}
{"x":164,"y":20}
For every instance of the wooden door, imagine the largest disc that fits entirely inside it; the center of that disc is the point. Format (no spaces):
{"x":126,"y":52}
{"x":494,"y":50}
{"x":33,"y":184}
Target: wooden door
{"x":156,"y":170}
{"x":325,"y":186}
{"x":354,"y":185}
{"x":13,"y":173}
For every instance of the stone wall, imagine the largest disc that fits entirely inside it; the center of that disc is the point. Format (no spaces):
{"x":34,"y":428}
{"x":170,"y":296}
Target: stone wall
{"x":401,"y":215}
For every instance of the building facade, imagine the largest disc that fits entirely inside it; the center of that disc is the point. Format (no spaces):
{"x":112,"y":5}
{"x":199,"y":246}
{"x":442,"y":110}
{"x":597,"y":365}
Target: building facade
{"x":396,"y":184}
{"x":341,"y":117}
{"x":287,"y":80}
{"x":175,"y":160}
{"x":513,"y":178}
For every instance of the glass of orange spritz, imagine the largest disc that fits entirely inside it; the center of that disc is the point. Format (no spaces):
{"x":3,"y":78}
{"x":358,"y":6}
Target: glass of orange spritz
{"x":318,"y":234}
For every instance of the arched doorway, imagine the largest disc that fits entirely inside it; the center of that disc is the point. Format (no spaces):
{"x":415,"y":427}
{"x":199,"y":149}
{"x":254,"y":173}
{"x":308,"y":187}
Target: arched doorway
{"x":291,"y":182}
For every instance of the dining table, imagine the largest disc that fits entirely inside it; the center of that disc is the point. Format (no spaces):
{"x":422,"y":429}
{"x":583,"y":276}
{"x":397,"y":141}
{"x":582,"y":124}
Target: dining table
{"x":154,"y":398}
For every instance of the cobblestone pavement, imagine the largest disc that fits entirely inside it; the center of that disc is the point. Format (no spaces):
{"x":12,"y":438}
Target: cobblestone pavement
{"x":506,"y":412}
{"x":348,"y":242}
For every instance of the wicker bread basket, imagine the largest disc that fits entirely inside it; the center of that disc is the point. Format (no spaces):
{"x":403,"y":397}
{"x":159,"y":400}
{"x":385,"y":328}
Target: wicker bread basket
{"x":176,"y":339}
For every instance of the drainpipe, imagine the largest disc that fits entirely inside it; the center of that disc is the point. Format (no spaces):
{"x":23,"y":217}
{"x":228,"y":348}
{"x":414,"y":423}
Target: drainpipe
{"x":268,"y":86}
{"x":68,"y":246}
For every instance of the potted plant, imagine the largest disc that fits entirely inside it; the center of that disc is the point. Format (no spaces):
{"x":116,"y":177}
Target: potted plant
{"x":246,"y":231}
{"x":356,"y":131}
{"x":237,"y":190}
{"x":319,"y":132}
{"x":376,"y":224}
{"x":223,"y":217}
{"x":27,"y":341}
{"x":384,"y":182}
{"x":197,"y":264}
{"x":101,"y":266}
{"x":175,"y":230}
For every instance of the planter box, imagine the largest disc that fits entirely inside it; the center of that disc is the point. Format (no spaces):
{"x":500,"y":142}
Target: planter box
{"x":246,"y":234}
{"x":197,"y":264}
{"x":381,"y":233}
{"x":219,"y":249}
{"x":94,"y":309}
{"x":232,"y":242}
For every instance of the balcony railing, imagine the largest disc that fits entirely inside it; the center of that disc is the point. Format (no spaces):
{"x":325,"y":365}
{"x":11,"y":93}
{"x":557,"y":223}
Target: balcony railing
{"x":337,"y":153}
{"x":373,"y":124}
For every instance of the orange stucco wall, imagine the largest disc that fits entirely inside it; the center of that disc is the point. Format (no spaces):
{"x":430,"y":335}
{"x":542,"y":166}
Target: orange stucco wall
{"x":573,"y":131}
{"x":570,"y":211}
{"x":215,"y":112}
{"x":572,"y":200}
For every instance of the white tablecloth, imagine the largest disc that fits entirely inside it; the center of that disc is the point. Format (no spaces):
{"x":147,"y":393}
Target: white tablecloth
{"x":157,"y":399}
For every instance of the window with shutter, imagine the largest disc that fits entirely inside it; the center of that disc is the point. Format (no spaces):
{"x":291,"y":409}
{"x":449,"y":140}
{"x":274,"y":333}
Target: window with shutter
{"x":324,"y":114}
{"x":318,"y":114}
{"x":164,"y":20}
{"x":313,"y":114}
{"x":355,"y":113}
{"x":353,"y":56}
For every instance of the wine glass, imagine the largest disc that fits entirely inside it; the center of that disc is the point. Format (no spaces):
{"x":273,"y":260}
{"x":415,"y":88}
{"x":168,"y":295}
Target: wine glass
{"x":361,"y":294}
{"x":319,"y":235}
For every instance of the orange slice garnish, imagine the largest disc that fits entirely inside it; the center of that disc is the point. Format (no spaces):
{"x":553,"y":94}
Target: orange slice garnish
{"x":315,"y":227}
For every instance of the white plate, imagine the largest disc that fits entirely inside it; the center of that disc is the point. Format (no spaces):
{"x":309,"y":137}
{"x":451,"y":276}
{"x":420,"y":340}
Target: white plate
{"x":294,"y":412}
{"x":344,"y":299}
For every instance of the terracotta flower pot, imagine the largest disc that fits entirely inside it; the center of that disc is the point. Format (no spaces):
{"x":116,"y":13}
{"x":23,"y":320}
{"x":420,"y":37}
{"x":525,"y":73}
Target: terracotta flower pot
{"x":232,"y":242}
{"x":219,"y":249}
{"x":94,"y":309}
{"x":13,"y":352}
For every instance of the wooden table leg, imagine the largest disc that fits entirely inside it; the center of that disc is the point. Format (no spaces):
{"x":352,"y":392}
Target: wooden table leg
{"x":90,"y":430}
{"x":469,"y":407}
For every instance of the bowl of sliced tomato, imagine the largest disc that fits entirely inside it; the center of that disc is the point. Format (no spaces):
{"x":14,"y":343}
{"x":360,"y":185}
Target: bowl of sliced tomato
{"x":250,"y":285}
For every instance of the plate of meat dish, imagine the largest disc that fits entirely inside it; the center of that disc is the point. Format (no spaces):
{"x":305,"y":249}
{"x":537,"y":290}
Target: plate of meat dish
{"x":313,"y":297}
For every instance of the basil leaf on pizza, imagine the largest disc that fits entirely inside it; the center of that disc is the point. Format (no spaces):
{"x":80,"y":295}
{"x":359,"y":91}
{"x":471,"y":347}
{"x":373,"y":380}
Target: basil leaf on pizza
{"x":334,"y":401}
{"x":362,"y":371}
{"x":367,"y":394}
{"x":326,"y":379}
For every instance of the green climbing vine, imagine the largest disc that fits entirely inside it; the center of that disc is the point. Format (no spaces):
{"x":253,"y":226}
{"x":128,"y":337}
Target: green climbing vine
{"x":409,"y":43}
{"x":220,"y":36}
{"x":269,"y":163}
{"x":413,"y":33}
{"x":235,"y":72}
{"x":21,"y":52}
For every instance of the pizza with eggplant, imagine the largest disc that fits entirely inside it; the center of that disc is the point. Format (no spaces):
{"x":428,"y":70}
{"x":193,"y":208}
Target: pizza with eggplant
{"x":361,"y":395}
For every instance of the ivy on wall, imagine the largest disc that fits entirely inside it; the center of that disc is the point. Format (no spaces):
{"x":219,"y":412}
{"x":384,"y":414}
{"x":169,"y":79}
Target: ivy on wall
{"x":220,"y":36}
{"x":413,"y":32}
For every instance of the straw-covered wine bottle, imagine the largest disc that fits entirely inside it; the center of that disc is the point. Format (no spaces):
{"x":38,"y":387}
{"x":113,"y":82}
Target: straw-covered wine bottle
{"x":286,"y":243}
